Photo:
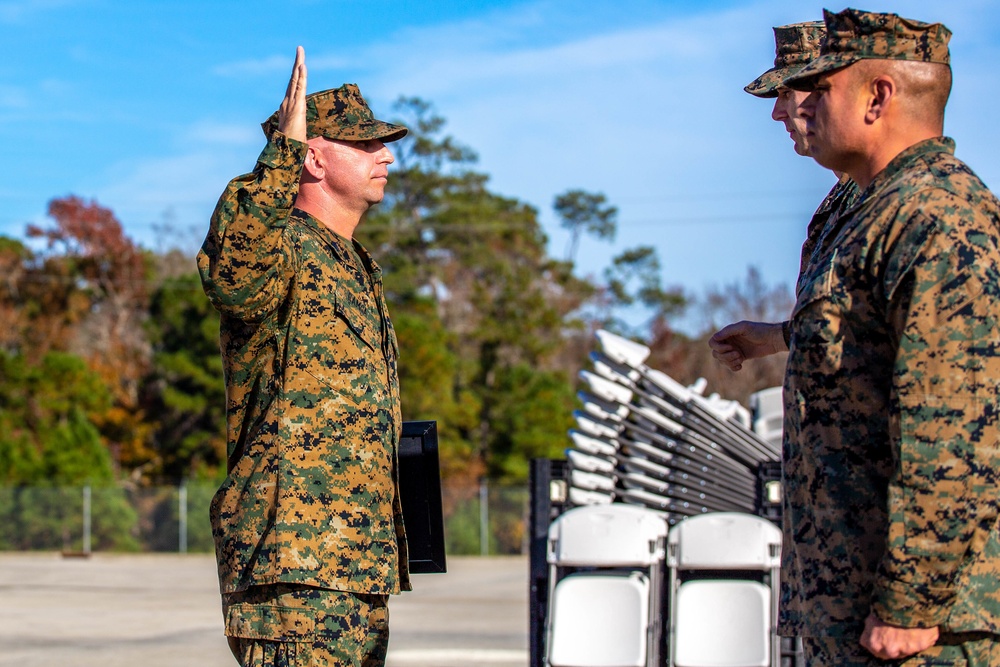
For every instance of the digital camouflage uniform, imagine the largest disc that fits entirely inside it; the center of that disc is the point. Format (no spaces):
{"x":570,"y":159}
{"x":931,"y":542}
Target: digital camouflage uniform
{"x":310,"y":509}
{"x":795,"y":46}
{"x":841,"y":197}
{"x":891,"y":397}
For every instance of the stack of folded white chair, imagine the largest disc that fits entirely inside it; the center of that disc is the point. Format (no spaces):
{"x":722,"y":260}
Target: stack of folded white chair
{"x":643,"y":438}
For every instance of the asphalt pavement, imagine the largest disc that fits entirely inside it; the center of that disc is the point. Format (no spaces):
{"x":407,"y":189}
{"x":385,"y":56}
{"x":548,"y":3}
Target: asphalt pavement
{"x":163,"y":610}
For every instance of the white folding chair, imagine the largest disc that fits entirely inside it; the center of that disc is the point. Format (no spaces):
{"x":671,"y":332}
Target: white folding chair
{"x":591,"y":481}
{"x":578,"y":497}
{"x":720,"y":615}
{"x":605,"y":575}
{"x":768,"y":414}
{"x":597,"y":464}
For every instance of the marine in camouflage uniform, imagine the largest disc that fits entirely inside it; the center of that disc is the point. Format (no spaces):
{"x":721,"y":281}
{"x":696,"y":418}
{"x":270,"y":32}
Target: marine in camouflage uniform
{"x":795,"y":46}
{"x":891,"y":433}
{"x":308,"y":524}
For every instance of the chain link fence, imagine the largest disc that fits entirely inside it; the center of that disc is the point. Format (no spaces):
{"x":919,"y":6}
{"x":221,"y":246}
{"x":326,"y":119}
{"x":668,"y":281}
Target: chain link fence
{"x":479,"y":520}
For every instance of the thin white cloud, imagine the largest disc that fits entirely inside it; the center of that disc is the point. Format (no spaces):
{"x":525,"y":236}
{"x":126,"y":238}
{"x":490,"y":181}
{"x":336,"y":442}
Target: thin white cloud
{"x":18,"y":11}
{"x":325,"y":63}
{"x":45,"y":98}
{"x":12,"y":97}
{"x":252,"y":67}
{"x":217,"y":133}
{"x":181,"y":187}
{"x":275,"y":64}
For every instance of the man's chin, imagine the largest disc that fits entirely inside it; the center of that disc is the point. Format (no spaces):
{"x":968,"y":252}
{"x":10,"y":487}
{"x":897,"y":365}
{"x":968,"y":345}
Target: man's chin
{"x":823,"y":160}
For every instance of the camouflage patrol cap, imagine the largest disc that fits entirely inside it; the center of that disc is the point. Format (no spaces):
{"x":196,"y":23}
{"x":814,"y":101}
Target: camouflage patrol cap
{"x":854,"y":35}
{"x":341,"y":113}
{"x":795,"y":46}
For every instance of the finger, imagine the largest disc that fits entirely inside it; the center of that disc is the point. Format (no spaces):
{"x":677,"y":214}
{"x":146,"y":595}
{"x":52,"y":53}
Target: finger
{"x":732,"y":365}
{"x":293,"y":78}
{"x":732,"y":362}
{"x":719,"y":345}
{"x":725,"y":356}
{"x":719,"y":337}
{"x":296,"y":90}
{"x":292,"y":110}
{"x":868,"y":636}
{"x":725,"y":347}
{"x":300,"y":71}
{"x":732,"y":357}
{"x":730,"y":330}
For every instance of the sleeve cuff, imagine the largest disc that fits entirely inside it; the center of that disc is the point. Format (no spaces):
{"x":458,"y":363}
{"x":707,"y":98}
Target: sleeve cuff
{"x":909,"y":606}
{"x":276,"y":177}
{"x":786,"y":333}
{"x":282,"y":151}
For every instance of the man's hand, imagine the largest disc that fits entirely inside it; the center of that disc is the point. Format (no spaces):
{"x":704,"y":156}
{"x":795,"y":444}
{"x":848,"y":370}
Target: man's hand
{"x":734,"y":344}
{"x":890,"y":642}
{"x":292,"y":112}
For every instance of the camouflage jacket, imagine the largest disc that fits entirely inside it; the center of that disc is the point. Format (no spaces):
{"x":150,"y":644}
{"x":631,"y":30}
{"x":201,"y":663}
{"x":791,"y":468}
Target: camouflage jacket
{"x":891,"y":456}
{"x":312,"y":394}
{"x":841,"y":196}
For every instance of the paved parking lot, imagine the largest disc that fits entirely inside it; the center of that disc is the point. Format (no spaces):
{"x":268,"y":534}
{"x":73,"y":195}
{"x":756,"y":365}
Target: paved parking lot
{"x":163,"y":611}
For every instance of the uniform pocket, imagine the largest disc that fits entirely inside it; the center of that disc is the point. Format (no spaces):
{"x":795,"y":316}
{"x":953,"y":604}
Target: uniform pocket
{"x":272,"y":622}
{"x":334,"y":341}
{"x":360,"y":316}
{"x":817,"y":284}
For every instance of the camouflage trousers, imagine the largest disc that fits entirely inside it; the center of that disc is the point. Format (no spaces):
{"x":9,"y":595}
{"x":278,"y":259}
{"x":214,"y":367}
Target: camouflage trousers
{"x":972,"y":649}
{"x":285,"y":625}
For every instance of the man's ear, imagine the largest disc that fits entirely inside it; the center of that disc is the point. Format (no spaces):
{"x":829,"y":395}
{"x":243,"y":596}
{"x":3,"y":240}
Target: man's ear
{"x":883,"y":90}
{"x":313,"y":168}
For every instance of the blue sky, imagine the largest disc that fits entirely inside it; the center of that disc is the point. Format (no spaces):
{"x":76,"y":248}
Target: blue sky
{"x":151,"y":107}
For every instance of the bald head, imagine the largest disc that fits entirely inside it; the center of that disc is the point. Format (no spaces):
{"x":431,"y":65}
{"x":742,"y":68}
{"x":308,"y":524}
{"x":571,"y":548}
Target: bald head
{"x":921,"y":89}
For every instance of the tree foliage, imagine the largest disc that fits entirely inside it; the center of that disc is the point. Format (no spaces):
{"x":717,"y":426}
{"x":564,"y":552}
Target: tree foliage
{"x":469,"y":269}
{"x":47,"y":432}
{"x":184,"y":391}
{"x":89,"y":297}
{"x":585,"y":212}
{"x":688,"y":358}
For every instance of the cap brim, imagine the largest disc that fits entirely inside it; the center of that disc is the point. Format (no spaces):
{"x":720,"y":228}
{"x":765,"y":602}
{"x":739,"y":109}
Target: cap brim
{"x":365,"y":130}
{"x":767,"y":84}
{"x":805,"y":78}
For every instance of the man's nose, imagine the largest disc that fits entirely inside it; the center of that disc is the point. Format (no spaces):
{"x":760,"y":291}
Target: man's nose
{"x":385,"y":155}
{"x":778,"y":110}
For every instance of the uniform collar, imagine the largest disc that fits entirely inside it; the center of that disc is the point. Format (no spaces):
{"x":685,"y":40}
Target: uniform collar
{"x":340,"y":245}
{"x":905,"y":159}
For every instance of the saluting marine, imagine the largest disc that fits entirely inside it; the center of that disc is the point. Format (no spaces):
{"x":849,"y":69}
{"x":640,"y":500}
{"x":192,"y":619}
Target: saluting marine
{"x":308,"y":524}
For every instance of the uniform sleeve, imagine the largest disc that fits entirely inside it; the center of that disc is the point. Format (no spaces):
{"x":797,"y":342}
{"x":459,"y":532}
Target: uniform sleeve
{"x":943,"y":497}
{"x":244,"y":263}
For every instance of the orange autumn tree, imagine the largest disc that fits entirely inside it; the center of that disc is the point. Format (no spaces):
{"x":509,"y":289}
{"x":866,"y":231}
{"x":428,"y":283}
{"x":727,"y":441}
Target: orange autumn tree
{"x":99,"y":277}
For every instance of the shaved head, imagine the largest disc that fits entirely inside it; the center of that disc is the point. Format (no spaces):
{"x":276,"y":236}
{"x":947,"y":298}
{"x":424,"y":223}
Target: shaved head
{"x":922,"y":88}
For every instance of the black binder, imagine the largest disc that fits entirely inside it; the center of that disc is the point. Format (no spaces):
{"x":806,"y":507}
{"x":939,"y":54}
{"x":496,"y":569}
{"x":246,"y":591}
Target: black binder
{"x":420,"y":494}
